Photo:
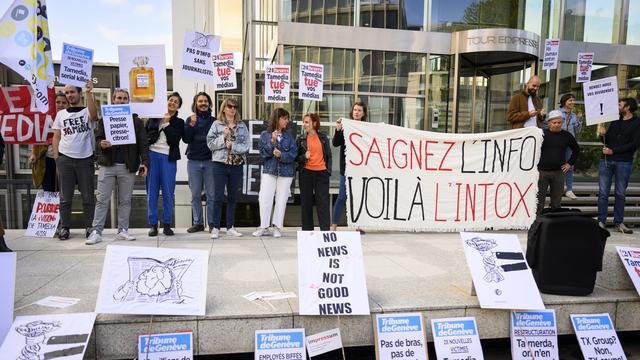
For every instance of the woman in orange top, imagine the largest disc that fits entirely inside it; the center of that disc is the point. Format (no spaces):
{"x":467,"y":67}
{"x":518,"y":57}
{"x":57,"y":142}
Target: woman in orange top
{"x":314,"y":166}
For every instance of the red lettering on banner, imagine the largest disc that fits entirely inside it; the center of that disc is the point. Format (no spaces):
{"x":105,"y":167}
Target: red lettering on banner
{"x":371,"y":151}
{"x":47,"y":208}
{"x":357,"y":148}
{"x":20,"y":120}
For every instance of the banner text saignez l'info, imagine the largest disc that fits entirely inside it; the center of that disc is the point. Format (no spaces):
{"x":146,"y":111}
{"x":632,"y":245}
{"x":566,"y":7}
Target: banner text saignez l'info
{"x":20,"y":120}
{"x":411,"y":180}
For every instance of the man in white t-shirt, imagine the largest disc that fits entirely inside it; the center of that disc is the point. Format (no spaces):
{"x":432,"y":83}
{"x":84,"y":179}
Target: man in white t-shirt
{"x":73,"y":142}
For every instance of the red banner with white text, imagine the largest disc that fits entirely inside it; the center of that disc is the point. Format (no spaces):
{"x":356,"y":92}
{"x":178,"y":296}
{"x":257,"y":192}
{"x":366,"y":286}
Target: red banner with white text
{"x":20,"y":120}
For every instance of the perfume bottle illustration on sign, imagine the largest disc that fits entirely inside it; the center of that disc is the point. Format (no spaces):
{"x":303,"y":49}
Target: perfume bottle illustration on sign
{"x":141,"y":81}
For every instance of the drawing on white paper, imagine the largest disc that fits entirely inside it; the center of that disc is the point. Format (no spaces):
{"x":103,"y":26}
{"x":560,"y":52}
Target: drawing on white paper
{"x":201,"y":40}
{"x":493,"y":271}
{"x":35,"y":334}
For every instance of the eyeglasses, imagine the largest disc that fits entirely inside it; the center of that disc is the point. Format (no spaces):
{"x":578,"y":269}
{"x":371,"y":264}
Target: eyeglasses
{"x":232,"y":106}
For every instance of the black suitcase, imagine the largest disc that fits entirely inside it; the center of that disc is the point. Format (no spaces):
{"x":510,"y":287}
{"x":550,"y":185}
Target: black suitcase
{"x":564,"y":250}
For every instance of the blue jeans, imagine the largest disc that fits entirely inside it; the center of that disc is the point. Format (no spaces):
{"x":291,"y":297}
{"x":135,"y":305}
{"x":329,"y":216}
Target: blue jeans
{"x":162,"y":175}
{"x":341,"y":201}
{"x":201,"y":174}
{"x":622,"y":171}
{"x":229,"y":176}
{"x":568,"y":176}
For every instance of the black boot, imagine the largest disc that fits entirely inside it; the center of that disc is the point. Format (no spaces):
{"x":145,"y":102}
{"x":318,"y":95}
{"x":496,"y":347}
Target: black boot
{"x":153,"y":230}
{"x":3,"y":245}
{"x":166,"y":229}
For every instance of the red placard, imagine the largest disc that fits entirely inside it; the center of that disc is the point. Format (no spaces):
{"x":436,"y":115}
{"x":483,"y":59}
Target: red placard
{"x":20,"y":120}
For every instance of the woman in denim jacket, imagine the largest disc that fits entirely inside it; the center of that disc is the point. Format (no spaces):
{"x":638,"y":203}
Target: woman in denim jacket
{"x":229,"y":141}
{"x":278,"y":150}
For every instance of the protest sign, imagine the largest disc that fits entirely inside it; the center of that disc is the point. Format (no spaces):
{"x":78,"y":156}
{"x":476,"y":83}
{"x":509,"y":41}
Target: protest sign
{"x":323,"y":342}
{"x":597,"y":337}
{"x":550,"y":59}
{"x":76,"y":65}
{"x":409,"y":180}
{"x":400,"y":336}
{"x":20,"y":120}
{"x":331,"y":277}
{"x":196,"y":55}
{"x":45,"y":215}
{"x":224,"y":72}
{"x":311,"y":81}
{"x":585,"y":63}
{"x":280,"y":344}
{"x":534,"y":335}
{"x":48,"y":336}
{"x":177,"y":346}
{"x":631,"y":260}
{"x":277,"y":79}
{"x":7,"y":289}
{"x":601,"y":100}
{"x":456,"y":339}
{"x":118,"y":124}
{"x":500,"y":273}
{"x":158,"y":281}
{"x":143,"y":71}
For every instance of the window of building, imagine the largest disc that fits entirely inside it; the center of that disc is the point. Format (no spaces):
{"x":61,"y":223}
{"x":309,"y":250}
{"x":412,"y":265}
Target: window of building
{"x":392,"y":72}
{"x":399,"y":111}
{"x":439,"y":66}
{"x":450,"y":16}
{"x":392,"y":14}
{"x":592,"y":20}
{"x":633,"y":23}
{"x":328,"y":12}
{"x":338,"y":65}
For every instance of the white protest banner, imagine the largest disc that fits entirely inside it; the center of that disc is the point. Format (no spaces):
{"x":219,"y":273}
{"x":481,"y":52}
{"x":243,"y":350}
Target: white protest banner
{"x":7,"y":289}
{"x":631,"y":260}
{"x":323,"y":342}
{"x":76,"y":65}
{"x":153,"y":281}
{"x":331,"y":277}
{"x":280,"y":344}
{"x":48,"y":336}
{"x":550,"y":59}
{"x":534,"y":335}
{"x":177,"y":346}
{"x":196,"y":55}
{"x":597,"y":337}
{"x":601,"y":100}
{"x":311,"y":81}
{"x":45,"y":215}
{"x":456,"y":339}
{"x":277,"y":80}
{"x":403,"y":179}
{"x":144,"y":72}
{"x":585,"y":63}
{"x":400,"y":336}
{"x":500,"y":273}
{"x":118,"y":124}
{"x":224,"y":71}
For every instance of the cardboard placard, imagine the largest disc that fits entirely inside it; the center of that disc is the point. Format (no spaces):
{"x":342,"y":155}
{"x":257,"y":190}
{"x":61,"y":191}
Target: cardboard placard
{"x":45,"y":215}
{"x":196,"y":55}
{"x":400,"y":336}
{"x":277,"y":81}
{"x":551,"y":50}
{"x":143,"y":72}
{"x":280,"y":344}
{"x":456,"y":339}
{"x":166,"y":346}
{"x":118,"y":124}
{"x":224,"y":71}
{"x":585,"y":63}
{"x":534,"y":335}
{"x":601,"y":100}
{"x":630,"y":257}
{"x":7,"y":289}
{"x":76,"y":65}
{"x":311,"y":81}
{"x":597,"y":337}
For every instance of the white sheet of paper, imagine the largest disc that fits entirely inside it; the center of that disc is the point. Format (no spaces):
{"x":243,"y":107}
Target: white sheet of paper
{"x":280,"y":344}
{"x":196,"y":55}
{"x":224,"y":71}
{"x":323,"y":342}
{"x":456,"y":338}
{"x":277,"y":81}
{"x":165,"y":346}
{"x":311,"y":81}
{"x":155,"y":84}
{"x":7,"y":290}
{"x":401,"y":336}
{"x":585,"y":64}
{"x":76,"y":65}
{"x":597,"y":337}
{"x":45,"y":215}
{"x":601,"y":100}
{"x":534,"y":335}
{"x":57,"y":302}
{"x":630,"y":258}
{"x":551,"y":50}
{"x":118,"y":124}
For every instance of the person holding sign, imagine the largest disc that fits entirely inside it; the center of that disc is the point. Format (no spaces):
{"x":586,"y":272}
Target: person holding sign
{"x":229,"y":142}
{"x":620,"y":144}
{"x":73,"y":142}
{"x":525,"y":108}
{"x":278,"y":150}
{"x":314,"y":167}
{"x":358,"y":113}
{"x":571,"y":122}
{"x":118,"y":165}
{"x":164,"y":151}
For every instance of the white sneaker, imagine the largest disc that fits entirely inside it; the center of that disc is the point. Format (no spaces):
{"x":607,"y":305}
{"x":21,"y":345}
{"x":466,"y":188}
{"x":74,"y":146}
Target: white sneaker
{"x":233,"y":232}
{"x":260,"y":232}
{"x":570,"y":195}
{"x":215,"y":233}
{"x":276,"y":232}
{"x":124,"y":235}
{"x":93,"y":238}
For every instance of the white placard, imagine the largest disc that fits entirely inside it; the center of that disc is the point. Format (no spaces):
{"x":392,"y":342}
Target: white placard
{"x":331,"y":277}
{"x":178,"y":346}
{"x":551,"y":49}
{"x":311,"y":81}
{"x":601,"y":100}
{"x":277,"y":80}
{"x":7,"y":290}
{"x":280,"y":344}
{"x":400,"y":336}
{"x":76,"y":65}
{"x":224,"y":71}
{"x":57,"y":302}
{"x":456,"y":339}
{"x":534,"y":335}
{"x":45,"y":215}
{"x":196,"y":55}
{"x":158,"y":281}
{"x":501,"y":275}
{"x":323,"y":342}
{"x":597,"y":337}
{"x":143,"y":72}
{"x":48,"y":336}
{"x":585,"y":63}
{"x":118,"y":124}
{"x":631,"y":260}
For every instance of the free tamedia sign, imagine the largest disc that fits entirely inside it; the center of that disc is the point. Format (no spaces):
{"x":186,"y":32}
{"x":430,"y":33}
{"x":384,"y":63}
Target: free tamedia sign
{"x":410,"y":180}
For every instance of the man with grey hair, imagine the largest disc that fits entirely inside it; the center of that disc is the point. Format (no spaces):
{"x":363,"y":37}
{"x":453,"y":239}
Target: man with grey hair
{"x":525,"y":108}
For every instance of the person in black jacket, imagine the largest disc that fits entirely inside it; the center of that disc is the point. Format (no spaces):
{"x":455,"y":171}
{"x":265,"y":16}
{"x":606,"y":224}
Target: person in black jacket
{"x":3,"y":245}
{"x":164,"y":152}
